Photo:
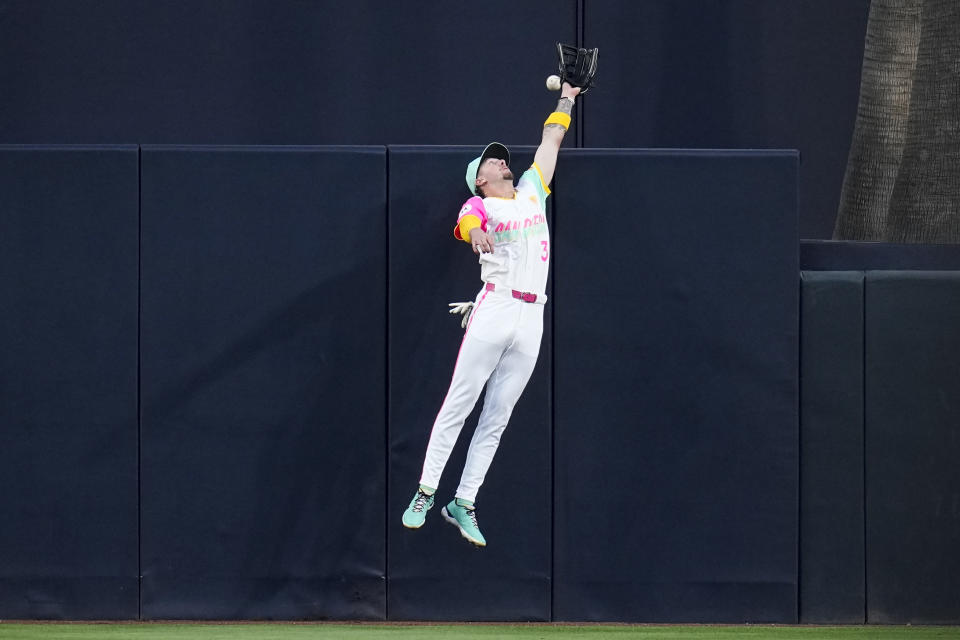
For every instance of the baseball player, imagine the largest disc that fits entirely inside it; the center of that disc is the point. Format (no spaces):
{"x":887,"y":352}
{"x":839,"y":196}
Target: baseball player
{"x":506,"y":226}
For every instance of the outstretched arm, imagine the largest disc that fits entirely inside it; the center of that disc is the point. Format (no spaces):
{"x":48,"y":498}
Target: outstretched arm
{"x":553,"y":132}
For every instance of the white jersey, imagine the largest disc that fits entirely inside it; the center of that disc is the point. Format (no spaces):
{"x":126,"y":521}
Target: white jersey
{"x":521,"y":256}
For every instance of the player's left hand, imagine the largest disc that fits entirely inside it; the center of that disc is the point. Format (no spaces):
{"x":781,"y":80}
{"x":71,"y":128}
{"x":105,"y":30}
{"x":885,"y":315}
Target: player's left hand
{"x":568,"y":91}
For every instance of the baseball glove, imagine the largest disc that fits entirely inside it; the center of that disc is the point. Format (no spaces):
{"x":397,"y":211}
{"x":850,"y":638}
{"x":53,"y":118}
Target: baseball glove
{"x":577,"y":66}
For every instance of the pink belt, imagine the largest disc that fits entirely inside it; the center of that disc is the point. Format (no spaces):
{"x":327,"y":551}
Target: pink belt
{"x":519,"y":295}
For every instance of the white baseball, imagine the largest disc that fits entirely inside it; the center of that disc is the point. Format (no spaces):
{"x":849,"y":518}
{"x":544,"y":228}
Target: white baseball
{"x":553,"y":83}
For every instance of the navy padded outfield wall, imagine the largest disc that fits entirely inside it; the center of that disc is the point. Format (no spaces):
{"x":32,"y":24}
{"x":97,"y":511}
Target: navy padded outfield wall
{"x":294,"y":348}
{"x":912,"y":447}
{"x":675,"y":357}
{"x":832,"y":588}
{"x":428,"y":568}
{"x":68,"y":382}
{"x":263,"y":391}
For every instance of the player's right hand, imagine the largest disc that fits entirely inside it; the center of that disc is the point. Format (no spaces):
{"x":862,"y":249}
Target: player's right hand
{"x":464,"y":309}
{"x":481,"y":241}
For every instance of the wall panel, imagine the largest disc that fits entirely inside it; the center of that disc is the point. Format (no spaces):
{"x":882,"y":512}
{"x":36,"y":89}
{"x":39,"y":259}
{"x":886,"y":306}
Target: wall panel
{"x":832,"y":587}
{"x":676,"y":435}
{"x":912,"y":415}
{"x":263,"y":383}
{"x":68,"y":382}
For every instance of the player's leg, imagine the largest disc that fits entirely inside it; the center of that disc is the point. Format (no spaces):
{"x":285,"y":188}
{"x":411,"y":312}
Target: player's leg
{"x":477,"y":358}
{"x":476,"y":361}
{"x":504,"y":388}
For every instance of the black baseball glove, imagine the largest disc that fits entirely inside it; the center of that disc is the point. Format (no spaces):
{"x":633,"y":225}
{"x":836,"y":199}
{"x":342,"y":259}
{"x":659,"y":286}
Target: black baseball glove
{"x":577,"y":66}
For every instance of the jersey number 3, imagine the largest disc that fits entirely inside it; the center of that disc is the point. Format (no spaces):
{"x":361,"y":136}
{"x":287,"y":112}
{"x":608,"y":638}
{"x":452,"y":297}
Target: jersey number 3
{"x":546,"y":250}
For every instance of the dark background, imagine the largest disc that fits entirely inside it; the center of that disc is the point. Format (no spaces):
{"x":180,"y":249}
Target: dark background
{"x":221,"y":365}
{"x":218,"y":364}
{"x":673,"y":73}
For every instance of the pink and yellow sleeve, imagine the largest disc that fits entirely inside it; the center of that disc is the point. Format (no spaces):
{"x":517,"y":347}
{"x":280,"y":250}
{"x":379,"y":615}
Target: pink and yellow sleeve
{"x":472,"y":215}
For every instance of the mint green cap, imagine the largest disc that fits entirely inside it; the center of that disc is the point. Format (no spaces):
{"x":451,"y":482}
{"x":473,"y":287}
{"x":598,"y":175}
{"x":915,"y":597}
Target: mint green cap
{"x":492,"y":150}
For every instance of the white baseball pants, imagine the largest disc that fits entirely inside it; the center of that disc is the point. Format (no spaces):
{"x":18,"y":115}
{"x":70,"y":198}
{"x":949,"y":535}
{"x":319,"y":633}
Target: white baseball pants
{"x":500,"y":348}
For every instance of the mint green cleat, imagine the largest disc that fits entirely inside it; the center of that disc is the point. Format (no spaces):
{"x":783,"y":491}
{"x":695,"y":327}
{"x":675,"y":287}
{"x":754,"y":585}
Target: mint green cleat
{"x":463,"y":515}
{"x":416,"y":513}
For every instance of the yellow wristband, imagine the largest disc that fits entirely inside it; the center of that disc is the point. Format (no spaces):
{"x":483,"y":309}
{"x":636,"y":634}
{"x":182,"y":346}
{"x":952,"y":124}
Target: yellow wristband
{"x":562,"y":119}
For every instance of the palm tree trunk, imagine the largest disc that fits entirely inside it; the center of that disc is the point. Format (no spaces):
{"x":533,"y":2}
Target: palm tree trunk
{"x":886,"y":82}
{"x":925,"y":206}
